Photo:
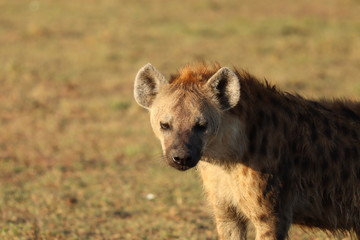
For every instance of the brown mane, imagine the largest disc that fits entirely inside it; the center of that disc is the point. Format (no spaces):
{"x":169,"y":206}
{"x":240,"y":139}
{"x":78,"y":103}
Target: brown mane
{"x":196,"y":73}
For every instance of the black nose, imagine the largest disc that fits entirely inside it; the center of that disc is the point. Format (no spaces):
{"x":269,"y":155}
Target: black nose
{"x":181,"y":160}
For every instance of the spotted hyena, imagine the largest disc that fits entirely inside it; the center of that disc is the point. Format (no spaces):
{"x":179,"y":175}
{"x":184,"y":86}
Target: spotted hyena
{"x":265,"y":156}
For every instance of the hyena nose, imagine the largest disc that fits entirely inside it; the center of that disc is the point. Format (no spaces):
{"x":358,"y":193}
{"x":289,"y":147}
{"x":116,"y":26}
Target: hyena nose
{"x":181,"y":160}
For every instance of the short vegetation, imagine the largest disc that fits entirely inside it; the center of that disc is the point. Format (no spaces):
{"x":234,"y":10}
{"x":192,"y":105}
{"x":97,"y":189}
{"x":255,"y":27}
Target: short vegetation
{"x":78,"y":159}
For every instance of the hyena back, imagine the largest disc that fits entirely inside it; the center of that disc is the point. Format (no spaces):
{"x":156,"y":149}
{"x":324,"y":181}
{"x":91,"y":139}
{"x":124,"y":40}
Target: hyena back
{"x":266,"y":157}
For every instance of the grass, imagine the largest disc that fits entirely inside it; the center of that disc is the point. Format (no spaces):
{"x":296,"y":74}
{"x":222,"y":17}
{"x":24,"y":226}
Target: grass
{"x":77,"y":155}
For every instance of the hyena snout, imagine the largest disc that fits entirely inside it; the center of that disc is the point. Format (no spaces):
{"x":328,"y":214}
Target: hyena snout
{"x":183,"y":159}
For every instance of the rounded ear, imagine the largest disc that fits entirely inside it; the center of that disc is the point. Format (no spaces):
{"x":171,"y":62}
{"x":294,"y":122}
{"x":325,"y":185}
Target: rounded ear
{"x":224,"y":86}
{"x":147,"y":84}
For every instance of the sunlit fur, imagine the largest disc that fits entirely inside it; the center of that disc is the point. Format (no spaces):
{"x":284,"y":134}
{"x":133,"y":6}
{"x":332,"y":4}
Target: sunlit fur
{"x":194,"y":74}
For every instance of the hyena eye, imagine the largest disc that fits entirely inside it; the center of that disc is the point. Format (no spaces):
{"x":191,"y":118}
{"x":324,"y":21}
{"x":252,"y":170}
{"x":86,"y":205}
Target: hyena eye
{"x":200,"y":127}
{"x":164,"y":126}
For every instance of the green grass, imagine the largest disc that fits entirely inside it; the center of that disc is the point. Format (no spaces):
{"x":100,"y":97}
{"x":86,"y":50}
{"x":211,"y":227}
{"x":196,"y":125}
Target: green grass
{"x":77,"y":155}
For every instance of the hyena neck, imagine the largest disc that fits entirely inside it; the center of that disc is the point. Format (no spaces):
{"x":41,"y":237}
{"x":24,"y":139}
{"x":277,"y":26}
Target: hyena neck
{"x":228,"y":145}
{"x":245,"y":130}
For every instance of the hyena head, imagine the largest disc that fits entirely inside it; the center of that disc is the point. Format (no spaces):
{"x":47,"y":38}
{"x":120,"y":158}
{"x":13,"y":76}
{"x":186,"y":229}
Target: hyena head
{"x":186,"y":112}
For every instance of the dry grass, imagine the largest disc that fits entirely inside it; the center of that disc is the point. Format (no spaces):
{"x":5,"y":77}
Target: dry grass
{"x":77,"y":156}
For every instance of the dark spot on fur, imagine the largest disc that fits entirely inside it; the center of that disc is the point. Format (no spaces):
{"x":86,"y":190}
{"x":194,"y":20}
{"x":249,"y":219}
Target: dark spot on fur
{"x":260,"y":119}
{"x":337,"y":125}
{"x":274,"y":120}
{"x":268,"y":234}
{"x":252,"y":139}
{"x":276,"y":152}
{"x":275,"y":101}
{"x":305,"y":163}
{"x":245,"y":159}
{"x":288,"y":110}
{"x":296,"y":160}
{"x":345,"y":131}
{"x":302,"y":117}
{"x":270,"y":186}
{"x":338,"y":192}
{"x":334,"y":154}
{"x":263,"y":218}
{"x":260,"y":96}
{"x":244,"y":171}
{"x":355,"y":153}
{"x":266,"y":118}
{"x":264,"y":170}
{"x":354,"y":134}
{"x":326,"y":128}
{"x":358,"y":173}
{"x":285,"y":168}
{"x":347,"y":152}
{"x":260,"y":200}
{"x":325,"y":121}
{"x":325,"y":179}
{"x":283,"y":231}
{"x":324,"y":164}
{"x":326,"y":202}
{"x":313,"y":112}
{"x":263,"y":146}
{"x":293,"y":146}
{"x":319,"y":151}
{"x":313,"y":132}
{"x":285,"y":130}
{"x":350,"y":114}
{"x":320,"y":106}
{"x":345,"y":175}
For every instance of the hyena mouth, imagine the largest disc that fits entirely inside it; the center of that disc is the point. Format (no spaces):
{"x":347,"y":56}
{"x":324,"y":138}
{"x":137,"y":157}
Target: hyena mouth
{"x":182,"y":166}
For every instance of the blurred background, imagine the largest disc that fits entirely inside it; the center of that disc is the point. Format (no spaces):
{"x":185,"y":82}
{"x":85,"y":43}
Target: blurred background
{"x":78,"y":159}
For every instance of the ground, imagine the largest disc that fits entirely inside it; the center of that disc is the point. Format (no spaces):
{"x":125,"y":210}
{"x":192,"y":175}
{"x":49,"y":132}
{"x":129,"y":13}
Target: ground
{"x":78,"y":159}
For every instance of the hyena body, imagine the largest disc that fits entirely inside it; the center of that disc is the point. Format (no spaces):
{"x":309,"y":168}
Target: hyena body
{"x":266,"y":157}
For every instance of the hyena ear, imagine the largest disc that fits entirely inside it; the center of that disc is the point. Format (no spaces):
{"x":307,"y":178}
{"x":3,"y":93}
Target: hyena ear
{"x":225,"y":88}
{"x":147,"y":84}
